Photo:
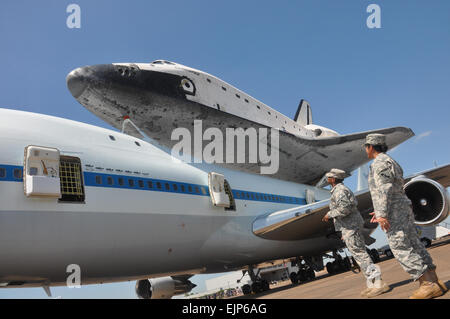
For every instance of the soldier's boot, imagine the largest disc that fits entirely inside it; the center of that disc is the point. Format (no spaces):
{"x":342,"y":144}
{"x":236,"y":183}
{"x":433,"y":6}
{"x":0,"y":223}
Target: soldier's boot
{"x":365,"y":292}
{"x":379,"y":287}
{"x":429,"y":287}
{"x":436,"y":280}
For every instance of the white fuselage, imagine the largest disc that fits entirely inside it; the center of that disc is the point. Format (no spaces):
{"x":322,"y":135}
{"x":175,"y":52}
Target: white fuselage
{"x":130,"y":231}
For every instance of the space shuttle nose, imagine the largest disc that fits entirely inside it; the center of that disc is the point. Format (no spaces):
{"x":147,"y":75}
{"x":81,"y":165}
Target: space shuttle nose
{"x":77,"y":81}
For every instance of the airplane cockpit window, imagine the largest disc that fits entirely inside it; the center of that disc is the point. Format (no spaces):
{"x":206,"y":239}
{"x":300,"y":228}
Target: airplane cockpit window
{"x":162,"y":62}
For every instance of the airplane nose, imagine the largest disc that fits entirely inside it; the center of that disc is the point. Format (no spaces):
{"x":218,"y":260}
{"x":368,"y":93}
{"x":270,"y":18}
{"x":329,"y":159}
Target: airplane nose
{"x":77,"y":81}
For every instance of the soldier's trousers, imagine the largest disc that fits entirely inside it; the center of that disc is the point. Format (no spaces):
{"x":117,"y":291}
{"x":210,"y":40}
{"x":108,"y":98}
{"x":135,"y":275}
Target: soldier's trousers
{"x":356,"y":245}
{"x":405,"y":243}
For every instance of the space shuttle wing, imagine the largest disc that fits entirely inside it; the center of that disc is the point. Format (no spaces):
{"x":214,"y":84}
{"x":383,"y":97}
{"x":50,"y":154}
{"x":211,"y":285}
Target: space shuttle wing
{"x":307,"y":160}
{"x":305,"y":222}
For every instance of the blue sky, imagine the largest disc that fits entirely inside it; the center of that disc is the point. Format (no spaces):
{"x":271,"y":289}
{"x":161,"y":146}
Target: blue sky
{"x":355,"y":78}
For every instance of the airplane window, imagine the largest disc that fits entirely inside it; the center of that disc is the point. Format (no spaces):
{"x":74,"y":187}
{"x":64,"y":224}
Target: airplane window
{"x":98,"y":179}
{"x":168,"y":62}
{"x":131,"y":182}
{"x":251,"y":195}
{"x":150,"y":184}
{"x":175,"y":187}
{"x":141,"y":183}
{"x":190,"y":189}
{"x":112,"y":138}
{"x":238,"y":195}
{"x":158,"y":184}
{"x":203,"y":191}
{"x":120,"y":181}
{"x":265,"y":197}
{"x":238,"y":96}
{"x":258,"y":107}
{"x":3,"y":173}
{"x":268,"y":112}
{"x":137,"y":143}
{"x":167,"y":186}
{"x":224,"y":88}
{"x":208,"y":80}
{"x":157,"y":62}
{"x":110,"y":180}
{"x":18,"y":173}
{"x":246,"y":100}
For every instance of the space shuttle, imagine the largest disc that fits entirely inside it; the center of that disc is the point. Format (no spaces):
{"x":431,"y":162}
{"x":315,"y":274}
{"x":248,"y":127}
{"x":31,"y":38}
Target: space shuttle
{"x":162,"y":95}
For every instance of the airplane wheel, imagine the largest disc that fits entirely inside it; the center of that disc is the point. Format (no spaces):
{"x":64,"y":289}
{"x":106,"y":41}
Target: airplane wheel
{"x":265,"y":285}
{"x":294,"y":278}
{"x":347,"y":263}
{"x":330,"y":268}
{"x":311,"y":275}
{"x":246,"y":289}
{"x":337,"y":267}
{"x":256,"y":287}
{"x":302,"y":275}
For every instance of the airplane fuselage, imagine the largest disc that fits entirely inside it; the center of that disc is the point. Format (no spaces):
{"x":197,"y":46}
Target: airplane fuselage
{"x":144,"y":214}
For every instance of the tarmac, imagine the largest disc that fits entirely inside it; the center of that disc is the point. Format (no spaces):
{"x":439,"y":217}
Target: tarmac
{"x":348,"y":285}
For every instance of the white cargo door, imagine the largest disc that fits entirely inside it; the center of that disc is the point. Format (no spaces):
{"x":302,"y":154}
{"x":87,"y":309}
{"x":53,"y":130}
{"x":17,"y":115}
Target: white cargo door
{"x":216,"y":183}
{"x":41,"y":172}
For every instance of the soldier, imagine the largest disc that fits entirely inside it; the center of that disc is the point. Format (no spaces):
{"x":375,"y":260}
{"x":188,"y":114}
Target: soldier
{"x":393,"y":211}
{"x":348,"y":220}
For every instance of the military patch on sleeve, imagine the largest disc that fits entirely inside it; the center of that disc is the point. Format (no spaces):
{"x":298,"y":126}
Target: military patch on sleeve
{"x":385,"y":172}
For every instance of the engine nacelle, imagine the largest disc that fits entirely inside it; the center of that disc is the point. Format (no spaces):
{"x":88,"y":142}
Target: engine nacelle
{"x":429,"y":200}
{"x":162,"y":288}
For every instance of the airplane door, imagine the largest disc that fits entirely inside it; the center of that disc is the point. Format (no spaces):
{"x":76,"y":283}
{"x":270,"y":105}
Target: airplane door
{"x":41,"y":172}
{"x":220,"y":191}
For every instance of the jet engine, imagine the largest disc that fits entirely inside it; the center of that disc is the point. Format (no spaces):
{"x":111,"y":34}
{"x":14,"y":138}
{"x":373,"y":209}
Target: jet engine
{"x":429,"y":200}
{"x":162,"y":288}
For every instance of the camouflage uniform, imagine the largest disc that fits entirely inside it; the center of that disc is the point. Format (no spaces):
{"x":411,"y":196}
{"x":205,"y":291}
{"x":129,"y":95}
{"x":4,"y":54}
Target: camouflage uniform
{"x":348,"y":220}
{"x":390,"y":202}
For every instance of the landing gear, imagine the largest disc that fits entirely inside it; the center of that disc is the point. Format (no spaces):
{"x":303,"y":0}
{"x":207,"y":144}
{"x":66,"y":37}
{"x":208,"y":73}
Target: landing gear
{"x":304,"y":274}
{"x":339,"y":264}
{"x":259,"y":285}
{"x":246,"y":289}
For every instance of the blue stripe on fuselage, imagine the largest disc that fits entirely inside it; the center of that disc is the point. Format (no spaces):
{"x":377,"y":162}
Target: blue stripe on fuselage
{"x":11,"y":173}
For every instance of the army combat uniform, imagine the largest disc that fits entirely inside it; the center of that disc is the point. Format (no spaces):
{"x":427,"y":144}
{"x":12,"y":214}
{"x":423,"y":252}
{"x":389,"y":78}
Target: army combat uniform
{"x":348,"y":220}
{"x":390,"y":202}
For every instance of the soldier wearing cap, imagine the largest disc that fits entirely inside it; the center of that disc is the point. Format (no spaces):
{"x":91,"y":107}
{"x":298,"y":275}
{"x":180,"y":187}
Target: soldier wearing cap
{"x":348,"y":220}
{"x":393,"y":211}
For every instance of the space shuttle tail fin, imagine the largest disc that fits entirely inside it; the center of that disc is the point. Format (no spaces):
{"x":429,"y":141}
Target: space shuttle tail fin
{"x":304,"y":114}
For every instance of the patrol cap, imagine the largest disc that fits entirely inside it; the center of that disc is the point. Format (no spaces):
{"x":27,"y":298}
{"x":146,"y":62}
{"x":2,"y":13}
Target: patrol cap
{"x":337,"y":173}
{"x":375,"y":139}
